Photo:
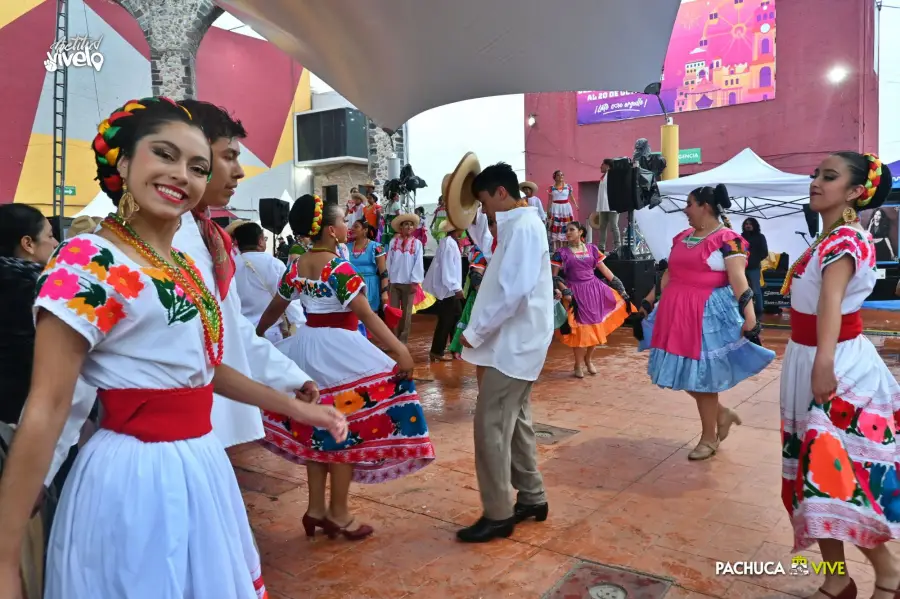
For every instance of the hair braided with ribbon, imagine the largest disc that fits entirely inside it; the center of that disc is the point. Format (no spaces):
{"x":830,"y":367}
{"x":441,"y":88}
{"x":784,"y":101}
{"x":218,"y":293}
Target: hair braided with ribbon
{"x":873,"y":180}
{"x":118,"y":135}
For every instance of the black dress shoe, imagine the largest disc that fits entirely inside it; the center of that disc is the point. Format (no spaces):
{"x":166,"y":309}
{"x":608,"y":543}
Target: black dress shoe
{"x":538,"y":512}
{"x":485,"y":530}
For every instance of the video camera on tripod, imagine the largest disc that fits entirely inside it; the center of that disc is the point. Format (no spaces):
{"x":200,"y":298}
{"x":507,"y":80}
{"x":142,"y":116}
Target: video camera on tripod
{"x":405,"y":186}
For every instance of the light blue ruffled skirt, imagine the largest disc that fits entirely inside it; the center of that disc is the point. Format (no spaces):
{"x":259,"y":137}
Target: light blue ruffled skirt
{"x":726,"y":356}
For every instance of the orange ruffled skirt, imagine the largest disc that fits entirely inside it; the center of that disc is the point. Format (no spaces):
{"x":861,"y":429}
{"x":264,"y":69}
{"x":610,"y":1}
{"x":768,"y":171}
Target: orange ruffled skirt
{"x":592,"y":335}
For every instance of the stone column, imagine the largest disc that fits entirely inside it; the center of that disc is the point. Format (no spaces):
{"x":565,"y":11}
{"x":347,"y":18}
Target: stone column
{"x":380,"y":150}
{"x":174,"y":29}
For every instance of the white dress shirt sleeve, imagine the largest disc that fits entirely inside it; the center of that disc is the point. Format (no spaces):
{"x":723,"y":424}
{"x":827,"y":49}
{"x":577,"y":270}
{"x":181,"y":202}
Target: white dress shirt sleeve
{"x":451,"y":267}
{"x":268,"y":365}
{"x":518,"y":276}
{"x":418,"y":271}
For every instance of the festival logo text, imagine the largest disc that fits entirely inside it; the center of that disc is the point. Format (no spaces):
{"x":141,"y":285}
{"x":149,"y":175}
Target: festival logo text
{"x":80,"y":51}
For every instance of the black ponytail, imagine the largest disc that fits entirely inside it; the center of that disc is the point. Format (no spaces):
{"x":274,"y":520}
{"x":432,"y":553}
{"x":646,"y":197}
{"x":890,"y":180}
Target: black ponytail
{"x":716,"y":197}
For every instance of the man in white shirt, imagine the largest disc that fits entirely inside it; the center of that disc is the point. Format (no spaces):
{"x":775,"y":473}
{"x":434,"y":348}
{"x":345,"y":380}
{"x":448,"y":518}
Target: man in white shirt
{"x":444,"y":281}
{"x":257,"y":276}
{"x":507,"y":337}
{"x":529,"y":189}
{"x":608,"y":220}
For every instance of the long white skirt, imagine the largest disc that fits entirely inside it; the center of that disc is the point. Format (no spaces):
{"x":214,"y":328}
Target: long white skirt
{"x":839,"y":460}
{"x":152,"y":521}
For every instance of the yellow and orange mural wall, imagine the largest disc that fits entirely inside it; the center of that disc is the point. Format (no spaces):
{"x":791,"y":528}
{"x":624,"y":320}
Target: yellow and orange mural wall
{"x":251,"y":78}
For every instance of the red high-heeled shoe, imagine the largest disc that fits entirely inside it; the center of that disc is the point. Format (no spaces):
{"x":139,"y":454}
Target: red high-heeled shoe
{"x":333,"y":530}
{"x":310,"y":524}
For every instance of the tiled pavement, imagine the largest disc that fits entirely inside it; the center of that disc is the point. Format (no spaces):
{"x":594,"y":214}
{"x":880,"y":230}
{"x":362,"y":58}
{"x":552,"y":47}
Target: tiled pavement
{"x":621,"y":492}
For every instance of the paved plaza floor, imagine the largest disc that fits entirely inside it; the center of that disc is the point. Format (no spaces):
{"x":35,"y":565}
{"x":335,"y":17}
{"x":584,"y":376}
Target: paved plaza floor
{"x":627,"y":509}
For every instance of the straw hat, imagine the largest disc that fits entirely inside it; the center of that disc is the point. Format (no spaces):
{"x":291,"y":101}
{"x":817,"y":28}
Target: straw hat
{"x":444,"y":184}
{"x":399,"y":220}
{"x":528,"y":185}
{"x":594,"y":220}
{"x":447,"y":226}
{"x":235,"y":224}
{"x":461,"y":205}
{"x":83,"y":224}
{"x":358,"y":196}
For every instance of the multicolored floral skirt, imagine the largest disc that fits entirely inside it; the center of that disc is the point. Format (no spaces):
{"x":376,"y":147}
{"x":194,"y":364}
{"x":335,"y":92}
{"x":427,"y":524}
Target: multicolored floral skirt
{"x":560,"y":216}
{"x":839,"y":460}
{"x":456,"y":345}
{"x":388,"y":436}
{"x":594,"y":334}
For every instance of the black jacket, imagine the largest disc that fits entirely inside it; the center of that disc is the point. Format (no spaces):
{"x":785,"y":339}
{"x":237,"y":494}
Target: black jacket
{"x":18,"y":279}
{"x":759,"y":249}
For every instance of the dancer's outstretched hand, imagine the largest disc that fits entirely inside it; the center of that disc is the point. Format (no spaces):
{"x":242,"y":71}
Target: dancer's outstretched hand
{"x":334,"y":422}
{"x":405,"y":363}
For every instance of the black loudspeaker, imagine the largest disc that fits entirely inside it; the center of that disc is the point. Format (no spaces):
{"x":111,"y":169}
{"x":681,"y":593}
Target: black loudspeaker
{"x":622,"y":186}
{"x":638,"y":276}
{"x":812,"y":221}
{"x":273,"y":214}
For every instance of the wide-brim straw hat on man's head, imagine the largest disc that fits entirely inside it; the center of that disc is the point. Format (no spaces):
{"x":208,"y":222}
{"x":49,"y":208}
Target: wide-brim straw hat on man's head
{"x":461,"y":204}
{"x":594,"y":220}
{"x":233,"y":225}
{"x":358,"y":197}
{"x":83,"y":224}
{"x":447,"y":226}
{"x":528,"y":185}
{"x":399,"y":220}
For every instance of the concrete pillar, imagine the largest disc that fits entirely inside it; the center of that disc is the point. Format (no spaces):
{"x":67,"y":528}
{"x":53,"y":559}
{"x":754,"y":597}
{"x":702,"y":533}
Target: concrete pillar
{"x":174,"y":29}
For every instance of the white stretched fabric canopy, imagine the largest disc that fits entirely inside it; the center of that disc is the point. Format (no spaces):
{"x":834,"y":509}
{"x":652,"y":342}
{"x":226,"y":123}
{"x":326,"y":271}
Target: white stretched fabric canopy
{"x":745,"y":175}
{"x":757,"y":190}
{"x":394,"y":59}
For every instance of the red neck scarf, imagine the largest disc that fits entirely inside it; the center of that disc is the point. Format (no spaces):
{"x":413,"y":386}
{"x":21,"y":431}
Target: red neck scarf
{"x":218,"y":242}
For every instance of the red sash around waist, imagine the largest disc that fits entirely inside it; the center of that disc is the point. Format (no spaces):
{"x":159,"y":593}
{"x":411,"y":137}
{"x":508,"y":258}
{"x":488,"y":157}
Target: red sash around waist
{"x":333,"y":320}
{"x":158,"y":415}
{"x":560,"y":201}
{"x":803,"y":328}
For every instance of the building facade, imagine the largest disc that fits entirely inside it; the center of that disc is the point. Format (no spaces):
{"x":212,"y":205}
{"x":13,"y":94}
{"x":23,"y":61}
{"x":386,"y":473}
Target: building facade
{"x":826,"y":99}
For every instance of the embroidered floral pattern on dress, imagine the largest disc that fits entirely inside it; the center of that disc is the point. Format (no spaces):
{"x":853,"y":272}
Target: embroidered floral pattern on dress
{"x":404,"y":246}
{"x":178,"y":305}
{"x":847,"y":241}
{"x":86,"y":295}
{"x":338,"y":278}
{"x":387,"y":433}
{"x":842,"y":241}
{"x":735,"y":247}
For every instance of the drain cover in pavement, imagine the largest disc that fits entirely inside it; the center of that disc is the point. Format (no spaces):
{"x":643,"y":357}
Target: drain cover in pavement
{"x":593,"y":581}
{"x":550,"y":435}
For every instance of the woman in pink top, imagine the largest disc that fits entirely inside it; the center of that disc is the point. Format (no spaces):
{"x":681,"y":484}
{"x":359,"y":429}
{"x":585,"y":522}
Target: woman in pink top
{"x":701,"y":330}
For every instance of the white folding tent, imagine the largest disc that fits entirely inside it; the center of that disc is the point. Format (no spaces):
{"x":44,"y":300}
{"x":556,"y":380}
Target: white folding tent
{"x":100,"y":206}
{"x":394,"y":59}
{"x":757,"y":189}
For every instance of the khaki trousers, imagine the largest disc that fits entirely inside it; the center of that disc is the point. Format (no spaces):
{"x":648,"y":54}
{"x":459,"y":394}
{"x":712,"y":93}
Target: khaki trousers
{"x":401,"y":297}
{"x":505,"y":445}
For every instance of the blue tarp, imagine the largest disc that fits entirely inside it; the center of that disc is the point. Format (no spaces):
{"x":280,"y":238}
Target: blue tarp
{"x":889,"y":305}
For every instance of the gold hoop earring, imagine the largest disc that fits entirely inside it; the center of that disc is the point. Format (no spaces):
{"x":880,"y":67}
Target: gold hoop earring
{"x":127,"y":206}
{"x":849,"y":215}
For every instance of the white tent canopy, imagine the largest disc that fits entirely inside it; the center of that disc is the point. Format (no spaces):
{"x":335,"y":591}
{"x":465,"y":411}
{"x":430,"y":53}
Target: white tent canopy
{"x":100,"y":206}
{"x":433,"y":53}
{"x":757,"y":190}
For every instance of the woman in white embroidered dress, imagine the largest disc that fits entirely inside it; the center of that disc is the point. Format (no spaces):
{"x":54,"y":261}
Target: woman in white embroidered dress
{"x":388,"y":434}
{"x":840,"y":404}
{"x":151,"y":508}
{"x":562,"y":206}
